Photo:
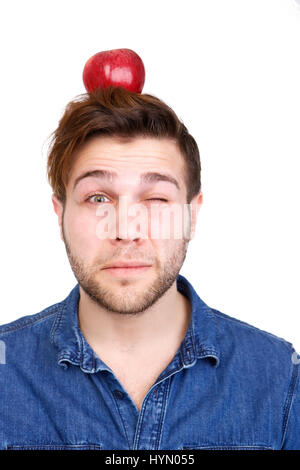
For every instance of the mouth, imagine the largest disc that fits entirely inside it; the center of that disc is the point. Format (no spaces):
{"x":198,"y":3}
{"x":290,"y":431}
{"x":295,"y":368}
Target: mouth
{"x":126,"y":271}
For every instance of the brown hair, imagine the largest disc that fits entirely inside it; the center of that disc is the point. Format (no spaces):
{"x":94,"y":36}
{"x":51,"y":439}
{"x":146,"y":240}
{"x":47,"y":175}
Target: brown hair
{"x":117,"y":112}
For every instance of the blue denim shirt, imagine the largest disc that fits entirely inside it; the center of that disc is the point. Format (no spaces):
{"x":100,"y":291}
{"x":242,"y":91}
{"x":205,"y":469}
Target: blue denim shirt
{"x":230,"y":385}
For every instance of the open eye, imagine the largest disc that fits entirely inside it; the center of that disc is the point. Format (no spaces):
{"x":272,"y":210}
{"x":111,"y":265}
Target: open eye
{"x":96,"y":195}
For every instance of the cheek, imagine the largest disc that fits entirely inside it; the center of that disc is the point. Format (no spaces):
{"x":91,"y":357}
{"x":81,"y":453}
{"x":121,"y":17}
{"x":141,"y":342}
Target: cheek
{"x":80,"y":229}
{"x":169,"y":253}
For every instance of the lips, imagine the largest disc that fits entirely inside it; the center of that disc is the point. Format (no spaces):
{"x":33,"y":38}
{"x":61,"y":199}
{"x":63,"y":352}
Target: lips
{"x":127,"y":271}
{"x":127,"y":264}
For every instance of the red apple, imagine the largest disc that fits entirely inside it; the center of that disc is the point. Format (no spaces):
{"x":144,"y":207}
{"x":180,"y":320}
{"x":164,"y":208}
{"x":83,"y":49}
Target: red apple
{"x":117,"y":67}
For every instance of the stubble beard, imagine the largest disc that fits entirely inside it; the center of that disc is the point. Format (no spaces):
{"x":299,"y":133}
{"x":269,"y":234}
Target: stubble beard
{"x":125,"y":296}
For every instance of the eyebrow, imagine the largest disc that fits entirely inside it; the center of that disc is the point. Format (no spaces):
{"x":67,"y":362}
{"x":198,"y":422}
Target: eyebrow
{"x":149,"y":177}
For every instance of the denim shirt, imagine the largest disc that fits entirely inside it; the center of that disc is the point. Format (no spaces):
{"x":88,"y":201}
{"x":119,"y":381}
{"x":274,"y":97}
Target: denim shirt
{"x":230,"y":385}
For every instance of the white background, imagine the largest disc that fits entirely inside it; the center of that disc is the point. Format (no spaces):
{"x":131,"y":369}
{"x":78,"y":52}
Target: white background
{"x":231,"y":71}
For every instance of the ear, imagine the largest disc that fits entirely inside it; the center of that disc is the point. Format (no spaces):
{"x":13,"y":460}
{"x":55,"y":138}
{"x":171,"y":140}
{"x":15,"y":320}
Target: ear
{"x":196,"y":203}
{"x":59,"y":209}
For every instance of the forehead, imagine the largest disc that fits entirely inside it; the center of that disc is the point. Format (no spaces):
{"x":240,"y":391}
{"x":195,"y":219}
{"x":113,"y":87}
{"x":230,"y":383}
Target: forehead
{"x":128,"y":158}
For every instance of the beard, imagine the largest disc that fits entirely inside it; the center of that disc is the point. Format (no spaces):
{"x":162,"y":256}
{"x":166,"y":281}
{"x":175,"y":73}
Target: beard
{"x":125,"y":296}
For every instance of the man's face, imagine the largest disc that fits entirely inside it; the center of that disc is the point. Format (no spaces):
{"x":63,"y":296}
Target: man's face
{"x":126,"y":291}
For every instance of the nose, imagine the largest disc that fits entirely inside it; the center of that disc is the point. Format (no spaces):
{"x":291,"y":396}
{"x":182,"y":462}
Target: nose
{"x":132,"y":221}
{"x":128,"y":221}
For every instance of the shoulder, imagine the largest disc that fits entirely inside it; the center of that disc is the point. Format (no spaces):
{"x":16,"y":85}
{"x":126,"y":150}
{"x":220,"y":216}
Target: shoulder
{"x":27,"y":339}
{"x":28,"y":322}
{"x":262,"y":370}
{"x":248,"y":332}
{"x":257,"y":352}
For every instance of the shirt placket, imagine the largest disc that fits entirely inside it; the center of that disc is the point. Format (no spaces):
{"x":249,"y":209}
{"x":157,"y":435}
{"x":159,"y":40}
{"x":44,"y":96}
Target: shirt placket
{"x":144,"y":429}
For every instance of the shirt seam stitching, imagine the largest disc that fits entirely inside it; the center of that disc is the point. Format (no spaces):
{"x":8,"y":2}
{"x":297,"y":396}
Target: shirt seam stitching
{"x":57,"y":322}
{"x":28,"y":323}
{"x":163,"y":417}
{"x":288,"y":401}
{"x":250,"y":327}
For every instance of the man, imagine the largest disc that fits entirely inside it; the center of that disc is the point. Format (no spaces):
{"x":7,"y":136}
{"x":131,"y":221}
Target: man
{"x":133,"y":358}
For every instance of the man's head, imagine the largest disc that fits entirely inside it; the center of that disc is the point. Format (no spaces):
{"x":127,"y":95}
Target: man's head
{"x":138,"y":150}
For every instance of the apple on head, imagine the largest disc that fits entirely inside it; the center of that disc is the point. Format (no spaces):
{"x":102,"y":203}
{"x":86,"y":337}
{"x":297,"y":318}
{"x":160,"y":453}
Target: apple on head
{"x":117,"y":67}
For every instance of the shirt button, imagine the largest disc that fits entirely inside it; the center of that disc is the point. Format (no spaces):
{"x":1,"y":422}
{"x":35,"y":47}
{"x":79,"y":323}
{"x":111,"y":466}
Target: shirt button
{"x":118,"y":394}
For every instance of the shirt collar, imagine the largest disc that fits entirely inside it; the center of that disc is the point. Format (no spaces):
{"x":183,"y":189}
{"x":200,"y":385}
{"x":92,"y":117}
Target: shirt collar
{"x":200,"y":340}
